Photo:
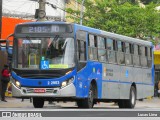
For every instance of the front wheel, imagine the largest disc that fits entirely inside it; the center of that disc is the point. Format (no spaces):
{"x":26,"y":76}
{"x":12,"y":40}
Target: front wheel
{"x":38,"y":102}
{"x":88,"y":102}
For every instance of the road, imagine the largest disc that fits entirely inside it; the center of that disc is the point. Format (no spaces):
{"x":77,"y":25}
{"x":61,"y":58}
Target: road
{"x":153,"y":103}
{"x":16,"y":108}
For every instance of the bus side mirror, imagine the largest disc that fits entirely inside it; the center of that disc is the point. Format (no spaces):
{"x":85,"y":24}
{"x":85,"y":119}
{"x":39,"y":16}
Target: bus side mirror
{"x":7,"y":45}
{"x":2,"y":41}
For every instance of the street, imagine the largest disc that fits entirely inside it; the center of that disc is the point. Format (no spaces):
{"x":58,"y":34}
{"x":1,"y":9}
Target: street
{"x":148,"y":104}
{"x":15,"y":108}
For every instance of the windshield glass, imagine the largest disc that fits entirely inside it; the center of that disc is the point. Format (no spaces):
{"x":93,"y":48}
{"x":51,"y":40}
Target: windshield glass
{"x":46,"y":53}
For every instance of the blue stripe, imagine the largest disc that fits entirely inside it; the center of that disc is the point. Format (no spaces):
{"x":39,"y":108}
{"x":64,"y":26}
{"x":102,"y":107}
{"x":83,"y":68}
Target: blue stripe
{"x":115,"y":81}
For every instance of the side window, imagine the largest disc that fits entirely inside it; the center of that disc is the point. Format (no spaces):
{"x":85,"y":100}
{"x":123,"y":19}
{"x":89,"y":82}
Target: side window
{"x":136,"y":50}
{"x":81,"y":50}
{"x":92,"y":47}
{"x":120,"y":53}
{"x":142,"y":48}
{"x":143,"y":56}
{"x":109,"y":44}
{"x":131,"y":47}
{"x":119,"y":46}
{"x":102,"y":53}
{"x":111,"y":50}
{"x":128,"y":55}
{"x":149,"y":57}
{"x":127,"y":48}
{"x":136,"y":57}
{"x":146,"y":51}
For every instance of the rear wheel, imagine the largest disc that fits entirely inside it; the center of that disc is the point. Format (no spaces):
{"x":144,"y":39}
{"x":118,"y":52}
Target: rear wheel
{"x":38,"y":102}
{"x":132,"y":99}
{"x":121,"y":103}
{"x":131,"y":102}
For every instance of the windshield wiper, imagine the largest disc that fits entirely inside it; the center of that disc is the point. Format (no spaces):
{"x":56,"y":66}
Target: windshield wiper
{"x":56,"y":37}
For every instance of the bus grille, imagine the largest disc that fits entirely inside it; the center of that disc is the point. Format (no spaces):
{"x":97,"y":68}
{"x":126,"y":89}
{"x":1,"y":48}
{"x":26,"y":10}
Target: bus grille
{"x":47,"y":90}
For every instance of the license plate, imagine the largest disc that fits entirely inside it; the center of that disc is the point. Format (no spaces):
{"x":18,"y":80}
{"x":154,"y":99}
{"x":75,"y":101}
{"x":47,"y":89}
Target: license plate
{"x":39,"y":90}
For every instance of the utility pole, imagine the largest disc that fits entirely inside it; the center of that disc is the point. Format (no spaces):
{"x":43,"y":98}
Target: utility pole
{"x":0,"y":18}
{"x":42,"y":10}
{"x":81,"y":14}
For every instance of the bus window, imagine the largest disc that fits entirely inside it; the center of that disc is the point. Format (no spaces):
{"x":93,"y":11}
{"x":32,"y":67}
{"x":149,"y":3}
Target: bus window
{"x":111,"y":50}
{"x":129,"y":53}
{"x":81,"y":50}
{"x":136,"y":57}
{"x":143,"y":56}
{"x":128,"y":56}
{"x":92,"y":48}
{"x":149,"y":57}
{"x":120,"y":53}
{"x":101,"y":49}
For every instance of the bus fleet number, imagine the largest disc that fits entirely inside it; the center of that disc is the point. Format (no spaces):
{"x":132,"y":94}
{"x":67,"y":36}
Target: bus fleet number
{"x":53,"y":82}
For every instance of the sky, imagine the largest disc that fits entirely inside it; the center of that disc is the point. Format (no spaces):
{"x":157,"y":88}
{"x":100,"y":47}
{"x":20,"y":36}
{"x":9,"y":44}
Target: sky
{"x":28,"y":7}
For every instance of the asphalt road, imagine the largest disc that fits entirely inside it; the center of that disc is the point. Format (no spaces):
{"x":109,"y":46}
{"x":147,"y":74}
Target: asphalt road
{"x":15,"y":108}
{"x":153,"y":103}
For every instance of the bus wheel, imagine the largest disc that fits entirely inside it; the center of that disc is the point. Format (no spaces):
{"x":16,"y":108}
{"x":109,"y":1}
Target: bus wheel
{"x":88,"y":102}
{"x":80,"y":103}
{"x":132,"y":99}
{"x":121,"y":103}
{"x":38,"y":102}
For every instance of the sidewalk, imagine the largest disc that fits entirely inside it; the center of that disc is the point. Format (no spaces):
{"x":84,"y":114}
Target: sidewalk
{"x":15,"y":103}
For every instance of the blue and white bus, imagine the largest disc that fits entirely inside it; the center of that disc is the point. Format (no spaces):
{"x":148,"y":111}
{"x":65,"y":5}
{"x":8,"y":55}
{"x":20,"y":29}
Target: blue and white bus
{"x":66,"y":61}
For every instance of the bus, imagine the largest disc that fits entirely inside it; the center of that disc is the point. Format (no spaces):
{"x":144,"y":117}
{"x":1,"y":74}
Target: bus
{"x":70,"y":62}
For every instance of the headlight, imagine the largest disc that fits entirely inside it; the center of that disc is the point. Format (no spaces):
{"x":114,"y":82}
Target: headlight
{"x":67,"y":82}
{"x":18,"y":84}
{"x":64,"y":83}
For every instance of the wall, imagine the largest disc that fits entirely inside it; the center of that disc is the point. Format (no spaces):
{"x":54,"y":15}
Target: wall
{"x":8,"y":25}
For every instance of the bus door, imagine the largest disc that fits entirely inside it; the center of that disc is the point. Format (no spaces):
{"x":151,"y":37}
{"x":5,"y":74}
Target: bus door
{"x":81,"y":49}
{"x":81,"y":62}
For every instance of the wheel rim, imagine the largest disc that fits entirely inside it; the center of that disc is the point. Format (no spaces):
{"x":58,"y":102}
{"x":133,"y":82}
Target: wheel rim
{"x":132,"y":97}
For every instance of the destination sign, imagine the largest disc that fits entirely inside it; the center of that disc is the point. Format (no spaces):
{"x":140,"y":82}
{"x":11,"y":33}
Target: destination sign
{"x":44,"y":28}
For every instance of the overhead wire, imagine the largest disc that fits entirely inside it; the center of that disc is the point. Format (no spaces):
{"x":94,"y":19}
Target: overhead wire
{"x":52,"y":5}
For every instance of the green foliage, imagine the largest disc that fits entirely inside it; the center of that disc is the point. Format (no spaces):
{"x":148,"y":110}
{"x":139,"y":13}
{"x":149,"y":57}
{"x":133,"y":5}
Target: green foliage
{"x":121,"y":17}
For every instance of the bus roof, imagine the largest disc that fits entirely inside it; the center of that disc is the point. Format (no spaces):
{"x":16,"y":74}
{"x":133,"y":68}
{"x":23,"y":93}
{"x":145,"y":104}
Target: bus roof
{"x":97,"y":31}
{"x":114,"y":35}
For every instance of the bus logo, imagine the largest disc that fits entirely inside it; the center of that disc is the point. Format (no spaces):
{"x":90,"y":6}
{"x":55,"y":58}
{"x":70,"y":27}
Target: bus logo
{"x":127,"y":73}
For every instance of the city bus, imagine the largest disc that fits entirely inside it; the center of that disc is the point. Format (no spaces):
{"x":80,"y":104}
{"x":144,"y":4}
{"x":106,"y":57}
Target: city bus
{"x":70,"y":62}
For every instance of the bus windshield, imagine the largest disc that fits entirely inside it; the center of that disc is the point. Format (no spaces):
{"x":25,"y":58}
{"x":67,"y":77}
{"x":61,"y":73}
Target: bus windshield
{"x":57,"y":52}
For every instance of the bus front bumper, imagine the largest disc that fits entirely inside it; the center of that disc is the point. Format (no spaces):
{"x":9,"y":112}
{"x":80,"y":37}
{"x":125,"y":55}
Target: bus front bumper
{"x":68,"y":91}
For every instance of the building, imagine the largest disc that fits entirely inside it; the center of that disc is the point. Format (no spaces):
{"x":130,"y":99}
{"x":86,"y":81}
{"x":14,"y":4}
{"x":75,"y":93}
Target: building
{"x":14,"y":12}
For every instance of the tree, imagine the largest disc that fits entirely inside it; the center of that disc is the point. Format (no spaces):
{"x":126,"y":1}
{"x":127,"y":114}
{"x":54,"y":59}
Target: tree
{"x":121,"y":17}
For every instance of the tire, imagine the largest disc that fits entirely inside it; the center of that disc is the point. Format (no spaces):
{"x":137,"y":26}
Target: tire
{"x":80,"y":103}
{"x":38,"y":102}
{"x":132,"y":98}
{"x":121,"y":103}
{"x":88,"y":102}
